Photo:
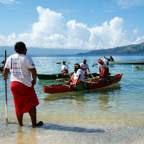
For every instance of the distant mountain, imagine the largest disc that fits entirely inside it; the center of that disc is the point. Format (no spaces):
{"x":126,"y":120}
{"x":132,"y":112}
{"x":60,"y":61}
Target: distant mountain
{"x":43,"y":51}
{"x":130,"y":49}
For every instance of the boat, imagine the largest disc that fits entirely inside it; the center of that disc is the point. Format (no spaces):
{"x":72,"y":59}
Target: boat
{"x":124,"y":62}
{"x":128,"y":62}
{"x":58,"y":76}
{"x":139,"y":68}
{"x":93,"y":84}
{"x":52,"y":76}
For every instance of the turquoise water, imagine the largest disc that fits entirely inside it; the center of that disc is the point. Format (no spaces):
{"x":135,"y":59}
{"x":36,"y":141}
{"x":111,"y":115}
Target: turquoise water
{"x":122,"y":103}
{"x":114,"y":115}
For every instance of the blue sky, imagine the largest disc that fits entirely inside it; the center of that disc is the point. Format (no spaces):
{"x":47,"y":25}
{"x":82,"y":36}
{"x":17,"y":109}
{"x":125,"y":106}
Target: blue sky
{"x":82,"y":24}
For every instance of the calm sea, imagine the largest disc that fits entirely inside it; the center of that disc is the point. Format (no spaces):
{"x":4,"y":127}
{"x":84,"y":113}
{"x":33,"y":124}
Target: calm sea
{"x":120,"y":104}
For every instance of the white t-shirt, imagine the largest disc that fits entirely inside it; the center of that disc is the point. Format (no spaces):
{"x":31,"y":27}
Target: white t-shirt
{"x":100,"y":67}
{"x":76,"y":75}
{"x":106,"y":62}
{"x":84,"y":67}
{"x":19,"y":65}
{"x":64,"y":67}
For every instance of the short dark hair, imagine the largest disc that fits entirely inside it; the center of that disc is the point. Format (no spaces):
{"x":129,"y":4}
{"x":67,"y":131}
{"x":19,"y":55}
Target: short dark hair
{"x":76,"y":67}
{"x":20,"y":47}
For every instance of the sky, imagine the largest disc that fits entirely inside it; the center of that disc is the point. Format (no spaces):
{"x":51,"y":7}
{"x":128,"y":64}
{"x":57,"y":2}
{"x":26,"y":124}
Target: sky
{"x":72,"y":24}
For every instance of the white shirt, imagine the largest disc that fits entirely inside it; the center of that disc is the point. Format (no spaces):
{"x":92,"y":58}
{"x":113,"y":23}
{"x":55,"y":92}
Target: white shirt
{"x":106,"y":62}
{"x":64,"y":67}
{"x":76,"y":75}
{"x":100,"y":67}
{"x":19,"y":65}
{"x":84,"y":67}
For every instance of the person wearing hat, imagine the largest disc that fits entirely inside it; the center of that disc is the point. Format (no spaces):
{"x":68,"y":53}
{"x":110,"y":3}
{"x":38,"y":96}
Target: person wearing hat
{"x":78,"y":76}
{"x":84,"y":66}
{"x":64,"y":67}
{"x":103,"y":69}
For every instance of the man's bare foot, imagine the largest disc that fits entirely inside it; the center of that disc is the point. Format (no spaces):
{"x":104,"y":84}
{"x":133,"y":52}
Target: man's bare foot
{"x":40,"y":123}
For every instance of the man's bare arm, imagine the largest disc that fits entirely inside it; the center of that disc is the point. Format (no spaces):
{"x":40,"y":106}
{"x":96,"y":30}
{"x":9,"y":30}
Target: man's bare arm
{"x":5,"y":73}
{"x":34,"y":75}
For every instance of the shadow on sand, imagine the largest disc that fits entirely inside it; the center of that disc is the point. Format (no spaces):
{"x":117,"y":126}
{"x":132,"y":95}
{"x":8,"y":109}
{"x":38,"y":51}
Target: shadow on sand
{"x":57,"y":127}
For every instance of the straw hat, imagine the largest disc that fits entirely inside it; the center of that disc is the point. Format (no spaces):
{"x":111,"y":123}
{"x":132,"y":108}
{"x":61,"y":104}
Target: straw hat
{"x":63,"y":61}
{"x":100,"y":61}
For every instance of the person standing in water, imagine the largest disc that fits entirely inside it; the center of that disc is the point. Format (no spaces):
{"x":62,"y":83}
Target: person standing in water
{"x":111,"y":59}
{"x":84,"y":66}
{"x":22,"y":69}
{"x":106,"y":61}
{"x":103,"y":69}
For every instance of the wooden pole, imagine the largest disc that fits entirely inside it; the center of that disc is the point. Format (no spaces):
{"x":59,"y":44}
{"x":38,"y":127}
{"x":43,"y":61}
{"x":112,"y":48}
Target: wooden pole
{"x":6,"y":104}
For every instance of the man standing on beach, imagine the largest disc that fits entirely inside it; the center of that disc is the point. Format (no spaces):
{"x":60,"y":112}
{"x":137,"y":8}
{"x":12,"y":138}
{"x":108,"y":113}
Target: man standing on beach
{"x":22,"y":68}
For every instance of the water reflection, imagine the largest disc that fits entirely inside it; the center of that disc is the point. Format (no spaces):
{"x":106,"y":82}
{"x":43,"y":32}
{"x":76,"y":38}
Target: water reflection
{"x":101,"y":95}
{"x":104,"y":102}
{"x":23,"y":137}
{"x":104,"y":98}
{"x":75,"y":97}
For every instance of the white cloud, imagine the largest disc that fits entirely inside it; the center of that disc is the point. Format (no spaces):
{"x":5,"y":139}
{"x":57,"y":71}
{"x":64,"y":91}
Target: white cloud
{"x":49,"y":23}
{"x":52,"y":31}
{"x":109,"y":34}
{"x":77,"y":34}
{"x":7,"y":1}
{"x":135,"y":31}
{"x":130,"y":3}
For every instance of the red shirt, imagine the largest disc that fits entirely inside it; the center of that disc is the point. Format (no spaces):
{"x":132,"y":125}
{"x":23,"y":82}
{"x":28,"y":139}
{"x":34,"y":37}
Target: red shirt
{"x":104,"y":71}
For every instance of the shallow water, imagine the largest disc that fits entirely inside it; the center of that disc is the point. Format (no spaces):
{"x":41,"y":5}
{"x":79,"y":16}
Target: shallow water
{"x":100,"y":115}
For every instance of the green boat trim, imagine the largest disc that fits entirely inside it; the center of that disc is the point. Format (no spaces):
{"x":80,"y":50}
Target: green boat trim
{"x":57,"y":76}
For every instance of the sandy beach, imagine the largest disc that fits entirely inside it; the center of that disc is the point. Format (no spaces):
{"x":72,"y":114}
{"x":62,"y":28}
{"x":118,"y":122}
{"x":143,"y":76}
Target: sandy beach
{"x":72,"y":133}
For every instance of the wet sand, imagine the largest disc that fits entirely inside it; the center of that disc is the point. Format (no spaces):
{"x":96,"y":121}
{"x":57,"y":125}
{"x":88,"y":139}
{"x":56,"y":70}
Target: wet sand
{"x":72,"y":133}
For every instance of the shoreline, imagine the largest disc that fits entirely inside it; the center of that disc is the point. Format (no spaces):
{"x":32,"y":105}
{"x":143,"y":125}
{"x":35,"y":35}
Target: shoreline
{"x":76,"y":133}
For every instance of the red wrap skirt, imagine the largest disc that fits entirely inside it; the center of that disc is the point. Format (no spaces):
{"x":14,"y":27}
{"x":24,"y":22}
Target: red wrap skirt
{"x":24,"y":97}
{"x":74,"y":82}
{"x":64,"y":71}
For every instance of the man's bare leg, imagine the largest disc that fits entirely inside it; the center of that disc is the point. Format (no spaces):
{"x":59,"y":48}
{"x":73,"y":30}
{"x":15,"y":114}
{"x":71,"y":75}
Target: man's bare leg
{"x":32,"y":114}
{"x":20,"y":119}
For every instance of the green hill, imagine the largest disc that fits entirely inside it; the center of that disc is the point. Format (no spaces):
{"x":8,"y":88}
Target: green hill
{"x":130,"y":49}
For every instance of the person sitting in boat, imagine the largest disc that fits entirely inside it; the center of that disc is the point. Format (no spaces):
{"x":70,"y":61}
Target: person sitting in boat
{"x":84,"y":66}
{"x":103,"y":69}
{"x":64,"y":67}
{"x":77,"y":76}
